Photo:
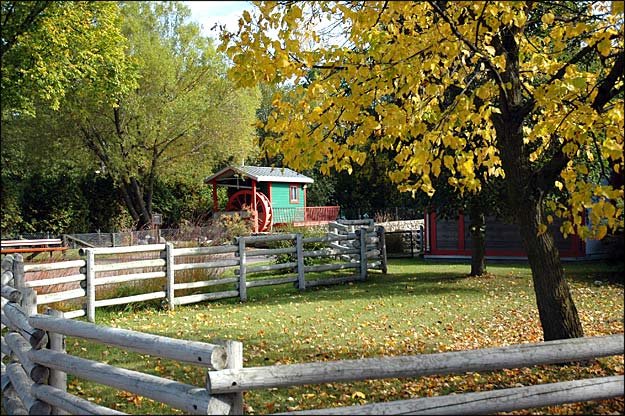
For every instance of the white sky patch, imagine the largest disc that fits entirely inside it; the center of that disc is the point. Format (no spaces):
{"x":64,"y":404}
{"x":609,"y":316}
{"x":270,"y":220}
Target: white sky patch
{"x":209,"y":13}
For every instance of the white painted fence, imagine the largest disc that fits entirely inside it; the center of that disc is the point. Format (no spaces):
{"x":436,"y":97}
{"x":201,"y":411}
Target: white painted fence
{"x":359,"y":251}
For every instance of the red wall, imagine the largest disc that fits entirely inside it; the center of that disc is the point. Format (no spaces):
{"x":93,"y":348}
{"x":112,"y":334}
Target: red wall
{"x":574,"y":246}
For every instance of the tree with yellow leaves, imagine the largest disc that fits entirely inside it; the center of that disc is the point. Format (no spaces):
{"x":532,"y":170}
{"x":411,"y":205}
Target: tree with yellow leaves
{"x":525,"y":91}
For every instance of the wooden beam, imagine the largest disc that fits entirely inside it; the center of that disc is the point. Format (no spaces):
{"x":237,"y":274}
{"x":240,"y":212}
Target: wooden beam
{"x":488,"y":359}
{"x":198,"y":353}
{"x":490,"y":402}
{"x":190,"y":399}
{"x":68,"y":402}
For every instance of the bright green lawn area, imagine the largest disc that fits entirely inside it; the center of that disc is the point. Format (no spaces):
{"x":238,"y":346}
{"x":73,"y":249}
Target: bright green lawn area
{"x":418,"y":307}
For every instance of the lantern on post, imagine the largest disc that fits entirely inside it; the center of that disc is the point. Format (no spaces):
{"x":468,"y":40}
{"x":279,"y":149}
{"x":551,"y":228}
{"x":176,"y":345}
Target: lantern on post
{"x":157,"y":219}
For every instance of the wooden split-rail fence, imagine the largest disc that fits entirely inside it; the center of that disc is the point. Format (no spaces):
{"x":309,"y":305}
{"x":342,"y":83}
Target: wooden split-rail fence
{"x":358,"y":250}
{"x":35,"y":380}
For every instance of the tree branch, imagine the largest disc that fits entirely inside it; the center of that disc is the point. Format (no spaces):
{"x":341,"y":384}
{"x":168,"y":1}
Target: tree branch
{"x":472,"y":47}
{"x":606,"y":87}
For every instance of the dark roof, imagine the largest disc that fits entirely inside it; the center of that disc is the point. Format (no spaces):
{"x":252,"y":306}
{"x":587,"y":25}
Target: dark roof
{"x":261,"y":174}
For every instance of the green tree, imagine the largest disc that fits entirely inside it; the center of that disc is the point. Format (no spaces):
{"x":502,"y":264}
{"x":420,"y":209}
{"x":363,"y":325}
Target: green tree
{"x":544,"y":97}
{"x":49,"y":47}
{"x":181,"y":121}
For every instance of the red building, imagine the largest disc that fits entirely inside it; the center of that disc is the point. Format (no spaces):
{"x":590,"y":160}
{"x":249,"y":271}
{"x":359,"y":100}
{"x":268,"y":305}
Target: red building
{"x":451,"y":238}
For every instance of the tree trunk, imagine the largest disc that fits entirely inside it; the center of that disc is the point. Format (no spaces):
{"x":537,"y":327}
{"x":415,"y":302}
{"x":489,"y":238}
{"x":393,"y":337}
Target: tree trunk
{"x":556,"y":308}
{"x":478,"y":235}
{"x":133,"y":197}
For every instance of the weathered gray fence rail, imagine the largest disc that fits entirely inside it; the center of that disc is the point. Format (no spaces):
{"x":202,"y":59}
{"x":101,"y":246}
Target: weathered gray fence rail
{"x":356,"y":249}
{"x":35,"y":382}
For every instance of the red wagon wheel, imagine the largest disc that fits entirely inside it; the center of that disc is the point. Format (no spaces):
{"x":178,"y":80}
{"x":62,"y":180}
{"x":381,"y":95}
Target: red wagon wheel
{"x":243,"y":200}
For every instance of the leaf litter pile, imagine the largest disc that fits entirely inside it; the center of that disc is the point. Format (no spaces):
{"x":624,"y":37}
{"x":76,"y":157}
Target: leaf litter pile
{"x":418,"y":308}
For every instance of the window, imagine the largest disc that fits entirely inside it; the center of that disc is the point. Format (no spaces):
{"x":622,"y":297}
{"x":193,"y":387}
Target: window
{"x":294,"y":194}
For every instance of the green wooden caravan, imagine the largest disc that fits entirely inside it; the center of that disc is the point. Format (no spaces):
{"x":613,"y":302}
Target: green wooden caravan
{"x":273,"y":195}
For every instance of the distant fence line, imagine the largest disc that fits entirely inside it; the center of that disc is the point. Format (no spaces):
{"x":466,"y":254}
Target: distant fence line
{"x":342,"y":250}
{"x":34,"y":379}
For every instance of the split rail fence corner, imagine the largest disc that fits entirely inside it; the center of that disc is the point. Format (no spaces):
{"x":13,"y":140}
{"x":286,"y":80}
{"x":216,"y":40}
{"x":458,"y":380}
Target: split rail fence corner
{"x":35,"y":381}
{"x":358,"y":246}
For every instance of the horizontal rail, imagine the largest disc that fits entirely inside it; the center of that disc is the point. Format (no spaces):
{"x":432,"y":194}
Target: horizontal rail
{"x":184,"y":300}
{"x":488,"y":359}
{"x":31,"y":242}
{"x":43,"y":267}
{"x":18,"y":319}
{"x":200,"y":251}
{"x":123,"y":250}
{"x":74,"y":314}
{"x":269,"y":282}
{"x":122,"y":278}
{"x":269,"y":237}
{"x":55,"y":280}
{"x":60,"y":296}
{"x":22,"y":384}
{"x":182,"y":396}
{"x":130,"y":299}
{"x":19,"y":346}
{"x":205,"y":283}
{"x":68,"y":402}
{"x":270,"y":251}
{"x":331,"y":281}
{"x":31,"y":250}
{"x":129,"y":265}
{"x":207,"y":265}
{"x":329,"y":238}
{"x":490,"y":402}
{"x":331,"y":252}
{"x":199,"y":353}
{"x":328,"y":267}
{"x":269,"y":267}
{"x":11,"y":294}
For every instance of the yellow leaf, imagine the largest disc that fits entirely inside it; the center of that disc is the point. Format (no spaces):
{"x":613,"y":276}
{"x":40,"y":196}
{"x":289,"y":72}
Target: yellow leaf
{"x":559,"y":185}
{"x":602,"y":230}
{"x":491,"y":51}
{"x":604,"y":47}
{"x":547,"y":18}
{"x":358,"y":394}
{"x":541,"y":229}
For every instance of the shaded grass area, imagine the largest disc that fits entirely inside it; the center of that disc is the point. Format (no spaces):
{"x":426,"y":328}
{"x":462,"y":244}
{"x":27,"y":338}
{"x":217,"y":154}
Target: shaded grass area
{"x":418,"y":307}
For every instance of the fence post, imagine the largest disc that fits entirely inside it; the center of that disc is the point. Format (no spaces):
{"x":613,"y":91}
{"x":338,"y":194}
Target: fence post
{"x":242,"y":270}
{"x":56,"y":342}
{"x":362,"y":234}
{"x":18,"y":272}
{"x":299,"y":248}
{"x":29,"y":301}
{"x":169,"y":258}
{"x":235,"y":362}
{"x":382,"y":246}
{"x":90,"y":280}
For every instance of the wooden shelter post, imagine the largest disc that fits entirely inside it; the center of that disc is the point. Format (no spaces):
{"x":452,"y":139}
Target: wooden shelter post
{"x":254,"y":207}
{"x":215,"y":202}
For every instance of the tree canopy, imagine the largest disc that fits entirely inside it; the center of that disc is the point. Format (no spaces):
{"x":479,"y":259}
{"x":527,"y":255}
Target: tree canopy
{"x":176,"y":119}
{"x":524,"y":91}
{"x":48,"y":48}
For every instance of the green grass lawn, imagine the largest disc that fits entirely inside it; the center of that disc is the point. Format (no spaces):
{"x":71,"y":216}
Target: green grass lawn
{"x":418,"y":307}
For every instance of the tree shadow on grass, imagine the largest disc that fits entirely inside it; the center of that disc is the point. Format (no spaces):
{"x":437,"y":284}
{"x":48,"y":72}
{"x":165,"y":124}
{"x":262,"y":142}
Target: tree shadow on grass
{"x":375,"y":287}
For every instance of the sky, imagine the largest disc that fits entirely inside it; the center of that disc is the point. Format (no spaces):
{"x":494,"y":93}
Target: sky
{"x":207,"y":13}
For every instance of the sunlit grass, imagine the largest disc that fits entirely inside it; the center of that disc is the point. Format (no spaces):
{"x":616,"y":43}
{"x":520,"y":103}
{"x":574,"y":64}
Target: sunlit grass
{"x":418,"y":307}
